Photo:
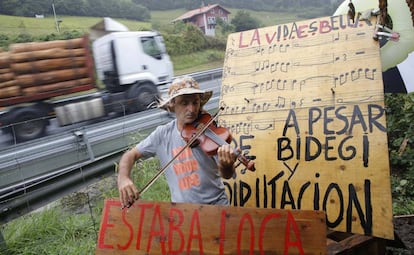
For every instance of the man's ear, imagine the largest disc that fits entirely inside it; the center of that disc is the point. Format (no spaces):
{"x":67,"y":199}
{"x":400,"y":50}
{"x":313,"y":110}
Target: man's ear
{"x":171,"y":105}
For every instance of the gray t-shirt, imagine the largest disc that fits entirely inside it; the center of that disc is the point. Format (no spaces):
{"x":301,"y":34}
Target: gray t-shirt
{"x":193,"y":177}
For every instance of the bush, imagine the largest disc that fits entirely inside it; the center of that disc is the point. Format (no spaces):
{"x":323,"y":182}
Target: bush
{"x":187,"y":39}
{"x":400,"y":115}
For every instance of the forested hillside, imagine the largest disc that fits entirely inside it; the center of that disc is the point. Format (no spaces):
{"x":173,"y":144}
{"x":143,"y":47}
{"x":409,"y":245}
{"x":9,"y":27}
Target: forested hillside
{"x":140,"y":9}
{"x":93,"y":8}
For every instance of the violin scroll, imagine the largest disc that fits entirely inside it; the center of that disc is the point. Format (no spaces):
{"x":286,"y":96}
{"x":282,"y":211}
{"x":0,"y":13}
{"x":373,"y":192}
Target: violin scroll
{"x":249,"y":164}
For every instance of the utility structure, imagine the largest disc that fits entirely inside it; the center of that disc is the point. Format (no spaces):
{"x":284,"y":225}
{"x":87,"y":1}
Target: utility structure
{"x":57,"y":22}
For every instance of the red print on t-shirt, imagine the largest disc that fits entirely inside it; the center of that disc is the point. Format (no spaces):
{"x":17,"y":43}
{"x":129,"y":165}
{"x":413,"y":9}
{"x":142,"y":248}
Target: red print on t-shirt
{"x":185,"y":168}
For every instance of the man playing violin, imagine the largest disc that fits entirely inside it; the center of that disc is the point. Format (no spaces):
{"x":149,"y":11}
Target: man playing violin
{"x":194,"y":176}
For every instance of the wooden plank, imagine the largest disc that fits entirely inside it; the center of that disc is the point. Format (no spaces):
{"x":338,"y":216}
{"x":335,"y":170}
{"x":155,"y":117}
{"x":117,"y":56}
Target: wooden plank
{"x":46,"y":54}
{"x":47,"y":65}
{"x":6,"y":77}
{"x":306,"y":101}
{"x":5,"y":70}
{"x":345,"y":243}
{"x":151,"y":227}
{"x":37,"y":79}
{"x":4,"y":60}
{"x":9,"y":83}
{"x":56,"y":86}
{"x":36,"y":46}
{"x":11,"y":91}
{"x":44,"y":95}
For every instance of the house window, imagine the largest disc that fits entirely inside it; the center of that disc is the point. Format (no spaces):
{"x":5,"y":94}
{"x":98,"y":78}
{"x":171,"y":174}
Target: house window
{"x":211,"y":20}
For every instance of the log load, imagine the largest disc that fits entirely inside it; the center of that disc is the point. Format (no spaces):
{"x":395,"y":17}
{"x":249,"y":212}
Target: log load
{"x":56,"y":86}
{"x":36,"y":46}
{"x":41,"y":70}
{"x":46,"y":54}
{"x":8,"y":85}
{"x":47,"y":65}
{"x":4,"y":59}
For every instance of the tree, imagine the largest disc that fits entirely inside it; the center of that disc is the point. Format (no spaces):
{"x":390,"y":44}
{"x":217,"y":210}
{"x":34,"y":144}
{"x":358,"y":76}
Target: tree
{"x":223,"y":28}
{"x":243,"y":21}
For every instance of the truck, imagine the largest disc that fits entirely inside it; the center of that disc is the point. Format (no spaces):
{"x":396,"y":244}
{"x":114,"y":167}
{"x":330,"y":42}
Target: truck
{"x":78,"y":79}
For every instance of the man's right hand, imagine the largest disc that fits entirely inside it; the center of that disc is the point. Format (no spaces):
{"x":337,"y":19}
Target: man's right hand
{"x":128,"y":192}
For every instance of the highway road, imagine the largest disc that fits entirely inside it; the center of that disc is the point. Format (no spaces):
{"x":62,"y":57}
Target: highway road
{"x":8,"y":141}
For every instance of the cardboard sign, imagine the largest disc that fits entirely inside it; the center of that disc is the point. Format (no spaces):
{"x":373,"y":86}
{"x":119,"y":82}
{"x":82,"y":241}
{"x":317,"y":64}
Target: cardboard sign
{"x":171,"y":228}
{"x":305,"y":100}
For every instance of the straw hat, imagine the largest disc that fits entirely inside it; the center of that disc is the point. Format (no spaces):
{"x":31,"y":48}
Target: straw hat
{"x":185,"y":85}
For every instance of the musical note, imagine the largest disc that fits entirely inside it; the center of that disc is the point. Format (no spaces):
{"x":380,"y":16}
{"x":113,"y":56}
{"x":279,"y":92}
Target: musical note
{"x":226,"y":89}
{"x":279,"y":81}
{"x":281,"y":102}
{"x":283,"y":48}
{"x":357,"y":75}
{"x":343,"y":78}
{"x":262,"y":65}
{"x":284,"y":67}
{"x":271,"y":48}
{"x":273,"y":67}
{"x":369,"y":74}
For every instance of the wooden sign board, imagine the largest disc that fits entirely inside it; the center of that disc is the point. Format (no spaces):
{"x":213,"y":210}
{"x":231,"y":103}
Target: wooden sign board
{"x":150,"y":227}
{"x":305,"y":100}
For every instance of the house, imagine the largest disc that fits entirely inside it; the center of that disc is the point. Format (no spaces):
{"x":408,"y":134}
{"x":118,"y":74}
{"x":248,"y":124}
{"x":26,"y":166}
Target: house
{"x":205,"y":17}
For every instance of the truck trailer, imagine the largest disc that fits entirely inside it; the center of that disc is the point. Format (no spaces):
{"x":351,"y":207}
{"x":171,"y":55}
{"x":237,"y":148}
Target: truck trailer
{"x":76,"y":80}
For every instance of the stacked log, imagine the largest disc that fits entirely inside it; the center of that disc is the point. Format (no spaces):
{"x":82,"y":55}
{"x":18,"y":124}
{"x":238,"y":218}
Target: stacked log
{"x":31,"y":68}
{"x":8,"y":85}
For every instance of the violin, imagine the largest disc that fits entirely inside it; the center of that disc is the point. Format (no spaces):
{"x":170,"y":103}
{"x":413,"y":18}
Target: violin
{"x":211,"y":138}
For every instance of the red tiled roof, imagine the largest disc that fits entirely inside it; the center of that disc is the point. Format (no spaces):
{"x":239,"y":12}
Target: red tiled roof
{"x":198,"y":11}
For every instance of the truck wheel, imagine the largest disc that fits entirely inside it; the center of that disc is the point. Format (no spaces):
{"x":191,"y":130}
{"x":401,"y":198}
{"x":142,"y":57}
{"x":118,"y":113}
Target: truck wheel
{"x":29,"y":124}
{"x":141,"y":97}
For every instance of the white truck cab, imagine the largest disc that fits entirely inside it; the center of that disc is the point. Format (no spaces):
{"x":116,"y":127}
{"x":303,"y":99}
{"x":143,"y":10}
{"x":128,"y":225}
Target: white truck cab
{"x":123,"y":58}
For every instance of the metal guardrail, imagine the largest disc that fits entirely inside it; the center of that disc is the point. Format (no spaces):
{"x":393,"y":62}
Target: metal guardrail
{"x":37,"y":173}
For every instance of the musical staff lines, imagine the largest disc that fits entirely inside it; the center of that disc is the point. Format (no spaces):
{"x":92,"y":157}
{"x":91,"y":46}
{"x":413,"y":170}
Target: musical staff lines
{"x":277,"y":103}
{"x":284,"y":65}
{"x":349,"y":78}
{"x":254,"y":123}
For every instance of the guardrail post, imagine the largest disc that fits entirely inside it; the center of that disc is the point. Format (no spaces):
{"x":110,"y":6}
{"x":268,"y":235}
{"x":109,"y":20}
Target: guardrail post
{"x":83,"y":140}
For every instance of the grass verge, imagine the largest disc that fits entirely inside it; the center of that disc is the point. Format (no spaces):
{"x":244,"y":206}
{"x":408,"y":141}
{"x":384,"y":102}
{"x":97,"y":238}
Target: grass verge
{"x":205,"y":60}
{"x":58,"y":230}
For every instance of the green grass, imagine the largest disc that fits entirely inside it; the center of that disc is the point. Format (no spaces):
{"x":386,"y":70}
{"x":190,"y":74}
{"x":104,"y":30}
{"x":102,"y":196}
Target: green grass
{"x":50,"y":232}
{"x":200,"y":61}
{"x":269,"y":18}
{"x":165,"y":18}
{"x":57,"y":230}
{"x":12,"y":25}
